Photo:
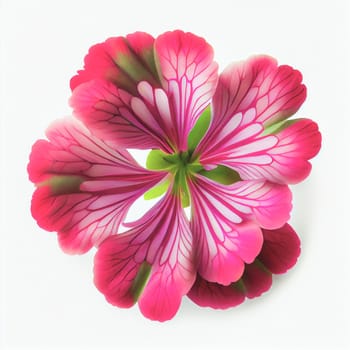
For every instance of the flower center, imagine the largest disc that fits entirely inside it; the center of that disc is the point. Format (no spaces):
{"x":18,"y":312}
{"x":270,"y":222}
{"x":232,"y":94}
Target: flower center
{"x":184,"y":165}
{"x":180,"y":165}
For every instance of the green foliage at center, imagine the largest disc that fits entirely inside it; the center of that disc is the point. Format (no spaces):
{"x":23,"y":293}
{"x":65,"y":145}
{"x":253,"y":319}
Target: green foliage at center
{"x":184,"y":165}
{"x":179,"y":165}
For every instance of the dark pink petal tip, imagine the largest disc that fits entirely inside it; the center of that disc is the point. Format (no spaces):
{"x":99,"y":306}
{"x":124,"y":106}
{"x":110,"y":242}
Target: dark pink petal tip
{"x":279,"y":253}
{"x":114,"y":114}
{"x":84,"y":186}
{"x":255,"y":281}
{"x":189,"y":77}
{"x":156,"y":87}
{"x":151,"y":264}
{"x":122,"y":61}
{"x":280,"y":250}
{"x":252,"y":100}
{"x":215,"y":295}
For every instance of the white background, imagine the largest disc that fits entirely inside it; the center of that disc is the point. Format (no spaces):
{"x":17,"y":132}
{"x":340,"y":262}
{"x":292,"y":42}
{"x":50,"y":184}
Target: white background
{"x":48,"y":300}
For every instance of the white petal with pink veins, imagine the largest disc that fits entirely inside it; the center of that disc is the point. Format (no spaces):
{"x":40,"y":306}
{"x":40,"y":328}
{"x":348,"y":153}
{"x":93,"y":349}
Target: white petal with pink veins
{"x":219,"y":223}
{"x":189,"y":77}
{"x":85,"y":187}
{"x":162,"y":240}
{"x":249,"y":97}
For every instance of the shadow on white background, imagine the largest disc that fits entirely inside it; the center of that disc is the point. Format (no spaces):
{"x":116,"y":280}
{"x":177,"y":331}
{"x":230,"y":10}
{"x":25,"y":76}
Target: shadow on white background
{"x":48,"y":300}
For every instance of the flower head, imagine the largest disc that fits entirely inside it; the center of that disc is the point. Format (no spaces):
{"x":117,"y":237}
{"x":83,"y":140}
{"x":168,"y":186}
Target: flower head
{"x":220,"y":144}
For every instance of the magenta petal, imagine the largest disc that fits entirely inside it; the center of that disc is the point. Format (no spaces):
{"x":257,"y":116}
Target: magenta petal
{"x":256,"y":279}
{"x":161,"y":240}
{"x":85,"y":186}
{"x":273,"y":92}
{"x":282,"y":157}
{"x":121,"y":61}
{"x":221,"y":259}
{"x":298,"y":141}
{"x":251,"y":96}
{"x":114,"y":114}
{"x":214,"y":295}
{"x":116,"y":268}
{"x":265,"y":203}
{"x":224,"y":242}
{"x":280,"y":250}
{"x":188,"y":75}
{"x":288,"y":161}
{"x":279,"y":253}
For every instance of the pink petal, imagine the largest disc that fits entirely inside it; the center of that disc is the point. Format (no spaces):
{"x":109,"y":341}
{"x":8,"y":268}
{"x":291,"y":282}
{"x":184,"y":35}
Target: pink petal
{"x":188,"y":76}
{"x":279,"y":253}
{"x":249,"y":97}
{"x":280,"y":250}
{"x":282,"y":157}
{"x":215,"y":295}
{"x":162,"y":240}
{"x":297,"y":142}
{"x":118,"y":97}
{"x":265,"y":203}
{"x":122,"y":61}
{"x":256,"y":279}
{"x":237,"y":144}
{"x":223,"y":242}
{"x":85,"y":186}
{"x":116,"y":266}
{"x":114,"y":114}
{"x":226,"y":220}
{"x":270,"y":92}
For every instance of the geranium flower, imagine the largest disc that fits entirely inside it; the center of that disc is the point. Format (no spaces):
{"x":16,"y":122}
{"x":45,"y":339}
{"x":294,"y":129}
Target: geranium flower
{"x":219,"y":143}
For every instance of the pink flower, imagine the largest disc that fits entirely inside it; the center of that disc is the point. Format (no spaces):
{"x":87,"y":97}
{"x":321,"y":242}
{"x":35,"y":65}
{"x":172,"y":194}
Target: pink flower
{"x":220,"y":144}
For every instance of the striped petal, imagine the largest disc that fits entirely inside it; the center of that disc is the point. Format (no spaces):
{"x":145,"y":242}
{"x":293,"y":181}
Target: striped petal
{"x":121,"y":61}
{"x":84,"y":186}
{"x":142,"y":122}
{"x":249,"y":98}
{"x":226,"y":220}
{"x":262,"y":202}
{"x":273,"y":92}
{"x":152,"y":263}
{"x":188,"y":76}
{"x":298,"y":141}
{"x":118,"y":94}
{"x":279,"y":253}
{"x":105,"y":91}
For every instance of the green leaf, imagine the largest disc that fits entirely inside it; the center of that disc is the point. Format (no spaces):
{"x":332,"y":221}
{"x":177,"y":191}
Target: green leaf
{"x":158,"y":160}
{"x":157,"y":190}
{"x":185,"y":197}
{"x":184,"y":190}
{"x":140,"y":280}
{"x":180,"y":187}
{"x":199,"y":129}
{"x":195,"y":167}
{"x":222,"y":174}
